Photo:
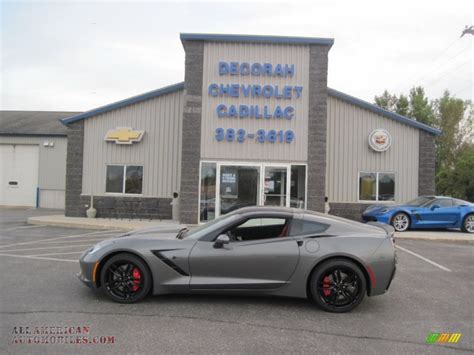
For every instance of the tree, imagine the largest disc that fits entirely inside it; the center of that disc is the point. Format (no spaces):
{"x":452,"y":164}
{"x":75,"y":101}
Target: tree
{"x":386,"y":101}
{"x":449,"y":118}
{"x":417,"y":106}
{"x":458,"y":181}
{"x":402,"y":106}
{"x":420,"y":108}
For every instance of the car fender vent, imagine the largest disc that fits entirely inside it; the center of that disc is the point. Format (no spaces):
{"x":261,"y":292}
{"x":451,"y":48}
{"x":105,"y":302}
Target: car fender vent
{"x":164,"y":259}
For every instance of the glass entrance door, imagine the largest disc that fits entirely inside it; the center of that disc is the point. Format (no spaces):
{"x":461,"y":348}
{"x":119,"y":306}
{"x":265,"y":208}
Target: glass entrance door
{"x":275,"y":186}
{"x":239,"y":187}
{"x":228,"y":186}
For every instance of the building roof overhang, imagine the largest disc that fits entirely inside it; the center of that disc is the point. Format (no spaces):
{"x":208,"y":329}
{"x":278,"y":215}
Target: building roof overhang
{"x":215,"y":37}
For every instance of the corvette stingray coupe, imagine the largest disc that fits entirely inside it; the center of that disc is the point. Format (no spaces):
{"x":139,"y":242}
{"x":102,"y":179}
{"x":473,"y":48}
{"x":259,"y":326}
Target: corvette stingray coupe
{"x":424,"y":212}
{"x":253,"y":250}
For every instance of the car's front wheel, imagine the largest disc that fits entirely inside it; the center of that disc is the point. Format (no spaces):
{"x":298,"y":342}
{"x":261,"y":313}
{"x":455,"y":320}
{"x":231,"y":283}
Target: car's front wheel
{"x":338,"y":285}
{"x":400,"y":222}
{"x":468,"y":224}
{"x":125,"y":278}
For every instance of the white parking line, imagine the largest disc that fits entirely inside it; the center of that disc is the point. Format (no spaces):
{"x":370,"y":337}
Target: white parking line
{"x":58,"y":238}
{"x":71,"y":242}
{"x":23,"y":227}
{"x":424,"y":259}
{"x":49,"y":254}
{"x":39,"y":258}
{"x":60,"y":247}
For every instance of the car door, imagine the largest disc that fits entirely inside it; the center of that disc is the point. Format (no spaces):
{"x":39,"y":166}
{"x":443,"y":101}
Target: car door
{"x":440,"y":213}
{"x":261,"y":263}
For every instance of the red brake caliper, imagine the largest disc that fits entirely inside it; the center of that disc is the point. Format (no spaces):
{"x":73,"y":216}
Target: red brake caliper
{"x":326,"y":282}
{"x":136,"y":279}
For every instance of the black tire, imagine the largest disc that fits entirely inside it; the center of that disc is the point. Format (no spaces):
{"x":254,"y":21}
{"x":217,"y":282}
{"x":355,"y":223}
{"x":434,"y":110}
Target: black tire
{"x":125,"y":278}
{"x":397,"y":221}
{"x":349,"y":291}
{"x":465,"y":227}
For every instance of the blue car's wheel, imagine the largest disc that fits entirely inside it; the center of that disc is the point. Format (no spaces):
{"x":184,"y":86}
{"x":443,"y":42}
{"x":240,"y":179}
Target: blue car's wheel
{"x":400,"y":222}
{"x":468,"y":224}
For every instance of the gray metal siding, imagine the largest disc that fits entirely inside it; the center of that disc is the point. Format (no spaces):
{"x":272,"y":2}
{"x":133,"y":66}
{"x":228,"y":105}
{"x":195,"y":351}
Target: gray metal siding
{"x":349,"y":152}
{"x":52,"y":160}
{"x":159,"y":151}
{"x":251,"y":149}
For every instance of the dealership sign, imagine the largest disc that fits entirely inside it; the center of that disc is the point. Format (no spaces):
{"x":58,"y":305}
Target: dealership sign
{"x":124,"y":135}
{"x":282,"y":95}
{"x":380,"y":140}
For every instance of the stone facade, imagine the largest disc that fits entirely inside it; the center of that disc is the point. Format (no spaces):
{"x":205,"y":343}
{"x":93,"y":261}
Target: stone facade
{"x":191,"y":140}
{"x":426,"y":164}
{"x":129,"y":207}
{"x":74,"y":160}
{"x":317,"y":127}
{"x":348,"y":210}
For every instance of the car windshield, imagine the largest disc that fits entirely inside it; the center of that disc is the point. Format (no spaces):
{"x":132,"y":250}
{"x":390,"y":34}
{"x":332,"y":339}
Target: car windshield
{"x":198,"y":232}
{"x":419,"y":201}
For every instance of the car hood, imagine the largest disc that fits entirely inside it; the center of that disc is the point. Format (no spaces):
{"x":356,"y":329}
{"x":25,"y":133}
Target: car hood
{"x":377,"y":208}
{"x":159,"y":232}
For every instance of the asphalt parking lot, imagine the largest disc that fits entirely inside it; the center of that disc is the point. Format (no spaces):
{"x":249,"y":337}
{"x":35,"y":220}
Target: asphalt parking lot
{"x":40,"y":289}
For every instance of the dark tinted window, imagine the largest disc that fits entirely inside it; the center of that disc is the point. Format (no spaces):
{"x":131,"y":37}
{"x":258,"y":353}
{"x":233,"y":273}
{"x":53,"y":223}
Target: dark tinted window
{"x":442,"y":202}
{"x":133,"y":182}
{"x":114,"y":182}
{"x":460,"y":203}
{"x":302,"y":227}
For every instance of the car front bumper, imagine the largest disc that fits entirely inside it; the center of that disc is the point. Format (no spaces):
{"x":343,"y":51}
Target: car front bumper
{"x":382,"y":218}
{"x":87,"y":270}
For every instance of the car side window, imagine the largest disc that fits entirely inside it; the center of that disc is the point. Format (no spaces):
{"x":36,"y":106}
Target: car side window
{"x":460,"y":203}
{"x":443,"y":202}
{"x":303,"y":227}
{"x":259,"y":228}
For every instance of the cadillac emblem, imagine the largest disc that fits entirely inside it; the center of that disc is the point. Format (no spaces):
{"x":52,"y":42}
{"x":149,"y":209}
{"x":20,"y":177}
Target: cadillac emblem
{"x":380,"y":140}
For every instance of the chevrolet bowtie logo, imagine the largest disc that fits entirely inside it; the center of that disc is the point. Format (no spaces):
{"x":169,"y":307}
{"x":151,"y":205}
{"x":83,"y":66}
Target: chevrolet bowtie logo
{"x":124,"y":135}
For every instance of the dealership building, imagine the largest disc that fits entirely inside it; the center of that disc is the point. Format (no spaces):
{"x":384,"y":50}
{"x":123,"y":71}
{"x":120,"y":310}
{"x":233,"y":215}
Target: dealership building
{"x":253,"y":123}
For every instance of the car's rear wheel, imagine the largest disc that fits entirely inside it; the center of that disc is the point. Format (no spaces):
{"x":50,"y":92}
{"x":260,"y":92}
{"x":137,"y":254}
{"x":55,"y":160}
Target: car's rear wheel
{"x":400,"y":222}
{"x":125,"y":278}
{"x":338,"y":286}
{"x":468,"y":224}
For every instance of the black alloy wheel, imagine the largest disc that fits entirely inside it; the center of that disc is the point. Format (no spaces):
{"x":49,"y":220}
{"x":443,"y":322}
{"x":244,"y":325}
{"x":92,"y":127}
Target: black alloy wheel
{"x":338,"y":286}
{"x":125,"y":278}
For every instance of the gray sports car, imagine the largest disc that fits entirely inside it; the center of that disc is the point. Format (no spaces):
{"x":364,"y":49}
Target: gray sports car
{"x":254,"y":250}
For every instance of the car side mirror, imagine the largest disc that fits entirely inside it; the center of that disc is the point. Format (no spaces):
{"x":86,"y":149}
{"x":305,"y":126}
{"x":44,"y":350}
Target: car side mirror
{"x":435,"y":207}
{"x":221,"y":240}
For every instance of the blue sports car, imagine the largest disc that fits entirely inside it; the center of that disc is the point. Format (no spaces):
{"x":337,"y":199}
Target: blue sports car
{"x":424,"y":212}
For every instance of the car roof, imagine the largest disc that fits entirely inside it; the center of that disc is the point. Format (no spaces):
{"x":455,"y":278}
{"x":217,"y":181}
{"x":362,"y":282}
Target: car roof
{"x":270,"y":209}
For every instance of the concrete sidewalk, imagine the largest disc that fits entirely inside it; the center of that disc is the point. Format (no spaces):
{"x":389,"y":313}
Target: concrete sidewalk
{"x":450,"y":235}
{"x":101,"y":223}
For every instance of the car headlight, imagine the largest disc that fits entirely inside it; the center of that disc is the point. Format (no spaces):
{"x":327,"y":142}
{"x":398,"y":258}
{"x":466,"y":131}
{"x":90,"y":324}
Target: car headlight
{"x":385,"y":210}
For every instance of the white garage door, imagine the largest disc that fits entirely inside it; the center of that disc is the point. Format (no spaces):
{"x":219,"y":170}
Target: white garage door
{"x":18,"y":174}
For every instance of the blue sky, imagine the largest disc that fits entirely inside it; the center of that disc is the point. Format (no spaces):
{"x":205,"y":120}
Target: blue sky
{"x":79,"y":55}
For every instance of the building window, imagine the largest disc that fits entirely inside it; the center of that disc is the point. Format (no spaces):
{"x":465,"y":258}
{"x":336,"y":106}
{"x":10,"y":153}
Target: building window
{"x":124,"y":179}
{"x":376,"y":186}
